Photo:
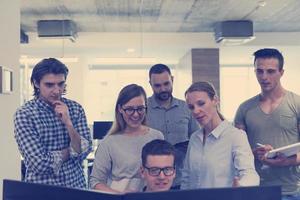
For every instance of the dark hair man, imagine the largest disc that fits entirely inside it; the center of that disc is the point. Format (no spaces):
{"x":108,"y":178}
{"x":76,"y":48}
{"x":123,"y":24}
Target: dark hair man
{"x":51,"y":131}
{"x":158,"y":165}
{"x":169,"y":115}
{"x":272,"y":118}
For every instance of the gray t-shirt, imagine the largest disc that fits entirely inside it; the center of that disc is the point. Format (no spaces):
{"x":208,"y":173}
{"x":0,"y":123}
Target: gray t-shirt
{"x":279,"y":128}
{"x":118,"y":157}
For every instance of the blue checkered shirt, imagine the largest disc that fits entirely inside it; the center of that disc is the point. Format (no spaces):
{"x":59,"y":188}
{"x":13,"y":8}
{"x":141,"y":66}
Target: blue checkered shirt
{"x":41,"y":136}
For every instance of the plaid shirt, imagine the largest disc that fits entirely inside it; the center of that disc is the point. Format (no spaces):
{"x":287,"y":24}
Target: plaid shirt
{"x":41,"y":136}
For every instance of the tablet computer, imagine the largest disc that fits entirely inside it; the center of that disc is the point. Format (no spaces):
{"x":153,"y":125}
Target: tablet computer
{"x":288,"y":150}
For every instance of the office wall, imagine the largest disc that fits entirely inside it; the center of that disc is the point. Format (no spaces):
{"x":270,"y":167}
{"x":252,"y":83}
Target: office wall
{"x":75,"y":80}
{"x":183,"y":75}
{"x":101,"y":87}
{"x":96,"y":90}
{"x":9,"y":54}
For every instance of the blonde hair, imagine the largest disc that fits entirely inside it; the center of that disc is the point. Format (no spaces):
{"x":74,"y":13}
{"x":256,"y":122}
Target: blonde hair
{"x":126,"y":94}
{"x":208,"y":88}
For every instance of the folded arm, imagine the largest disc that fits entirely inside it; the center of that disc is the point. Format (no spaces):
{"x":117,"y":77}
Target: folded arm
{"x":81,"y":143}
{"x":37,"y":157}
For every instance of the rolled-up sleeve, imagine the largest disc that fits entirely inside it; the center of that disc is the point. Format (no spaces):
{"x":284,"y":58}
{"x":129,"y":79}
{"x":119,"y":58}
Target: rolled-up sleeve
{"x":82,"y":128}
{"x":244,"y":161}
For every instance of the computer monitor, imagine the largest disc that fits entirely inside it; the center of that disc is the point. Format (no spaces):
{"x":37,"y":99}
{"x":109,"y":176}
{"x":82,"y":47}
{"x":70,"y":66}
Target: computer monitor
{"x":238,"y":193}
{"x":18,"y":190}
{"x":100,"y":129}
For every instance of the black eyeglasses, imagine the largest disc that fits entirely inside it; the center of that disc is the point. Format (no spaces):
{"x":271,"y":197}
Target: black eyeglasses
{"x":131,"y":110}
{"x":155,"y":171}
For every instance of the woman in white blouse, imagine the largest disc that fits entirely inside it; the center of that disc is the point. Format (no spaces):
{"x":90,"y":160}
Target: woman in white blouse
{"x":219,"y":154}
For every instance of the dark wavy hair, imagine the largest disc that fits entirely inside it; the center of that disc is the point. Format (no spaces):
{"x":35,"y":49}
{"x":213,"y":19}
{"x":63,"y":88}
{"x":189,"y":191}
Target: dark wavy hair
{"x":44,"y":67}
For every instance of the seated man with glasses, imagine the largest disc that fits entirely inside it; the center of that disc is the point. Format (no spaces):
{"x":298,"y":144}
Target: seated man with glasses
{"x":158,"y":165}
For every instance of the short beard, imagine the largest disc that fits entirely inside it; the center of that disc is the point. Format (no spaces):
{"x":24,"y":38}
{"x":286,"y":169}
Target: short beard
{"x":163,"y":96}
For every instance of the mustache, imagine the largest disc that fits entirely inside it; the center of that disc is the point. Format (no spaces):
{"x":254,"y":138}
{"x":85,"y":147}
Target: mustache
{"x":162,"y":93}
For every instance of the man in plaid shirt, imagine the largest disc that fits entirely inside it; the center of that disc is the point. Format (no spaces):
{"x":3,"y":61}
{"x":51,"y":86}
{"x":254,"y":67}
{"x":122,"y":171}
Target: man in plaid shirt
{"x":51,"y":131}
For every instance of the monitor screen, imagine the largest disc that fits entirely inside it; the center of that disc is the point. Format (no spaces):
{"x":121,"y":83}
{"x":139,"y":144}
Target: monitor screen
{"x":18,"y":190}
{"x":100,"y":129}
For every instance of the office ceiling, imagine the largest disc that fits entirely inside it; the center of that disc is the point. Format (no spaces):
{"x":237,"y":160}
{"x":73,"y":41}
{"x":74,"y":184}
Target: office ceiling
{"x":162,"y":15}
{"x":164,"y":29}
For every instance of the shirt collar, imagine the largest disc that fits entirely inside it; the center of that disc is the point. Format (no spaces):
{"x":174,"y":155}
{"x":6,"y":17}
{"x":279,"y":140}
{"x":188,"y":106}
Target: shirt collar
{"x":220,"y":129}
{"x":154,"y":104}
{"x":42,"y":104}
{"x":217,"y":132}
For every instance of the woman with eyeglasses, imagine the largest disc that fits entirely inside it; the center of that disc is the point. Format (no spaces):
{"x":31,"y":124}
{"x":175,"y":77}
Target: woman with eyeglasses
{"x":118,"y":156}
{"x":218,"y":155}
